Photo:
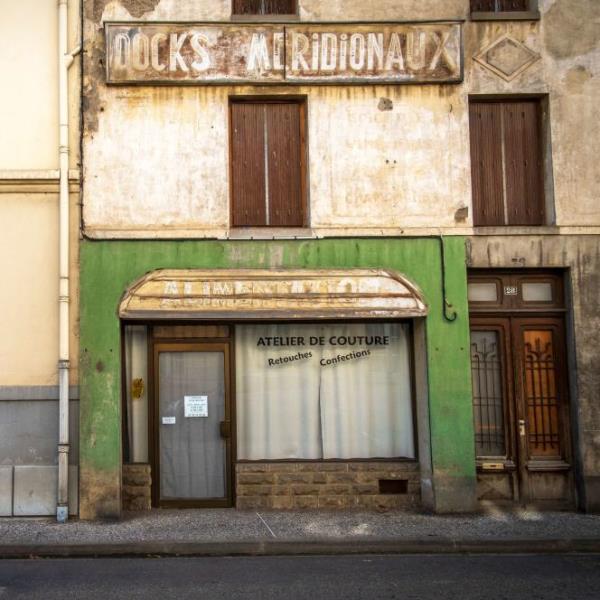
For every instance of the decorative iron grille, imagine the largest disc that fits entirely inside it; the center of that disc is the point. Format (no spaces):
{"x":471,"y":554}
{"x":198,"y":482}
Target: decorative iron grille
{"x":541,"y":394}
{"x":488,"y":397}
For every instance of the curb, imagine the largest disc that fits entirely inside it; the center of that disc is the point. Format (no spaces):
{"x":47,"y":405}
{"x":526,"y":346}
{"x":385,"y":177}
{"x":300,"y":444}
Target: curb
{"x":303,"y":548}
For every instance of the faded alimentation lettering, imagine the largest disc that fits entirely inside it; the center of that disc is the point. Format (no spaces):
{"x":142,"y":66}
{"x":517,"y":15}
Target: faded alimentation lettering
{"x":215,"y":53}
{"x":359,"y":293}
{"x":266,"y":288}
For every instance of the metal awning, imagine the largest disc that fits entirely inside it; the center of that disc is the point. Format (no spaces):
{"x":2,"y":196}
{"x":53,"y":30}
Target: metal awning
{"x":272,"y":294}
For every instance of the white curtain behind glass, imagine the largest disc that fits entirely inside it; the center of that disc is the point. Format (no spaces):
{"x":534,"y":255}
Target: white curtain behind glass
{"x":357,"y":408}
{"x":277,"y":407}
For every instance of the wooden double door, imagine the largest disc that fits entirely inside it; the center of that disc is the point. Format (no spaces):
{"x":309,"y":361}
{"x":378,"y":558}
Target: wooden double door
{"x":521,"y":410}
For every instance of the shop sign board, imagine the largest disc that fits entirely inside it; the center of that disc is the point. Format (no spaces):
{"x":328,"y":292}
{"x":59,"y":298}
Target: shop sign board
{"x":304,"y":53}
{"x":248,"y":294}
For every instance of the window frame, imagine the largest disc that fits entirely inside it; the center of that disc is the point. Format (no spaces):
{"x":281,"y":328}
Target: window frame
{"x":532,"y":14}
{"x":302,"y":102}
{"x":514,"y":303}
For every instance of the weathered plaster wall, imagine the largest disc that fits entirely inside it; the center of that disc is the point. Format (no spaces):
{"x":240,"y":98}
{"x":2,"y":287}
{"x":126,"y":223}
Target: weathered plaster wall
{"x":309,"y":10}
{"x":567,"y":39}
{"x":157,"y":158}
{"x":175,"y":172}
{"x":113,"y":266}
{"x":29,"y":304}
{"x":383,"y":10}
{"x":160,"y":155}
{"x":581,"y":256}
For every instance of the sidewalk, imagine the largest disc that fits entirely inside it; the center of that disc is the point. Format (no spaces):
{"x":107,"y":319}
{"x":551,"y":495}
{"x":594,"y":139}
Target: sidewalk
{"x":230,"y":532}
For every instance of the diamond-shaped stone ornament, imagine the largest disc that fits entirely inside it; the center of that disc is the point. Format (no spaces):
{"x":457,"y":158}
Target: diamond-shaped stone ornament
{"x":507,"y":57}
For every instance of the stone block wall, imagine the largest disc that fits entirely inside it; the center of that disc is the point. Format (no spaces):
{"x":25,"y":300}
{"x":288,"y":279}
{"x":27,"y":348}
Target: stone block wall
{"x":343,"y":485}
{"x":137,"y":485}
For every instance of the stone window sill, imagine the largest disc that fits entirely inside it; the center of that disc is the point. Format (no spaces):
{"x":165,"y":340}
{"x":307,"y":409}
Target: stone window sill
{"x":529,"y":15}
{"x":516,"y":230}
{"x":270,"y":233}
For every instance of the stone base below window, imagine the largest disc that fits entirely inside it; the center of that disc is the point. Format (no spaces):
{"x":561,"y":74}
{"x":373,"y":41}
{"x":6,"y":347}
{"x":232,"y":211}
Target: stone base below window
{"x":358,"y":485}
{"x":136,"y":491}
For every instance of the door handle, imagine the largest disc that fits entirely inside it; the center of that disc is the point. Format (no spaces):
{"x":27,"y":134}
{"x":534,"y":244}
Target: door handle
{"x":522,"y":427}
{"x":225,"y":429}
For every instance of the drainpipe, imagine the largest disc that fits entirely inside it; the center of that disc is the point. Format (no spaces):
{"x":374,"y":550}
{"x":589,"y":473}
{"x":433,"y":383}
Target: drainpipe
{"x":65,"y":60}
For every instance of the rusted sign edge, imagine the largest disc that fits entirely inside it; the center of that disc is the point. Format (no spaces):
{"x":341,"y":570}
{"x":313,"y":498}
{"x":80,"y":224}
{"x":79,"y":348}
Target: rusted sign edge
{"x":459,"y":78}
{"x":271,"y":315}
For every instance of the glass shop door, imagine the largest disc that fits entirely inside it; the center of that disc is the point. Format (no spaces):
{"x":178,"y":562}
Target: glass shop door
{"x":192,"y":441}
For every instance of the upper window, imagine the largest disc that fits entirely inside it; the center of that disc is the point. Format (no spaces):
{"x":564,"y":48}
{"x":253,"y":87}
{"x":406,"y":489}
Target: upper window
{"x":264,"y":7}
{"x":500,"y":5}
{"x":507,"y":163}
{"x":268,"y":164}
{"x":504,"y":10}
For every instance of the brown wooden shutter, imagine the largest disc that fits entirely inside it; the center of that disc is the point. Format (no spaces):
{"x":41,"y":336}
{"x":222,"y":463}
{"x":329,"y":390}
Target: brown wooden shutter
{"x":267,"y":164}
{"x":279,"y":7}
{"x":285,"y":165}
{"x":246,"y":7}
{"x":486,"y":163}
{"x":248,"y":164}
{"x":513,"y":5}
{"x":524,"y":187}
{"x":264,"y":7}
{"x":483,"y":5}
{"x":499,"y":5}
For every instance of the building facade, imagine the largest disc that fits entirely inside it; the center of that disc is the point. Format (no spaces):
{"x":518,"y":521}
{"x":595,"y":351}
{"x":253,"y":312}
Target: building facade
{"x":339,"y":254}
{"x":39,"y":217}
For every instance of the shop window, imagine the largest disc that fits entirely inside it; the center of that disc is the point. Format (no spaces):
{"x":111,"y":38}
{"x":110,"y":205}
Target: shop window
{"x":507,"y":163}
{"x":311,"y":392}
{"x":264,"y":7}
{"x":268,"y":163}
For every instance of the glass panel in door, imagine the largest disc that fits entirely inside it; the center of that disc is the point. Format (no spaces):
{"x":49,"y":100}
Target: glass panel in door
{"x":192,"y":453}
{"x":493,"y":408}
{"x":488,"y":394}
{"x":546,"y":474}
{"x":541,"y":393}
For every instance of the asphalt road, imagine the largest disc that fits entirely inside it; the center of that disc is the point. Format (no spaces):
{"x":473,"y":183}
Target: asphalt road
{"x":424,"y":577}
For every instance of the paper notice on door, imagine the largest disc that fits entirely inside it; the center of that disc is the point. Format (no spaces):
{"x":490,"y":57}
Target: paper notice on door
{"x":169,"y":420}
{"x":195,"y":406}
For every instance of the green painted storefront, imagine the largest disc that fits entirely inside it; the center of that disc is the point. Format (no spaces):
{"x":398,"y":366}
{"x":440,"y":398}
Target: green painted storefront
{"x":437,"y":266}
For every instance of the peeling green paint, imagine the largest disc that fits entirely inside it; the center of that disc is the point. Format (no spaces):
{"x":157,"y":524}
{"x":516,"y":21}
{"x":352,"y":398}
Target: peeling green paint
{"x":109,"y":267}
